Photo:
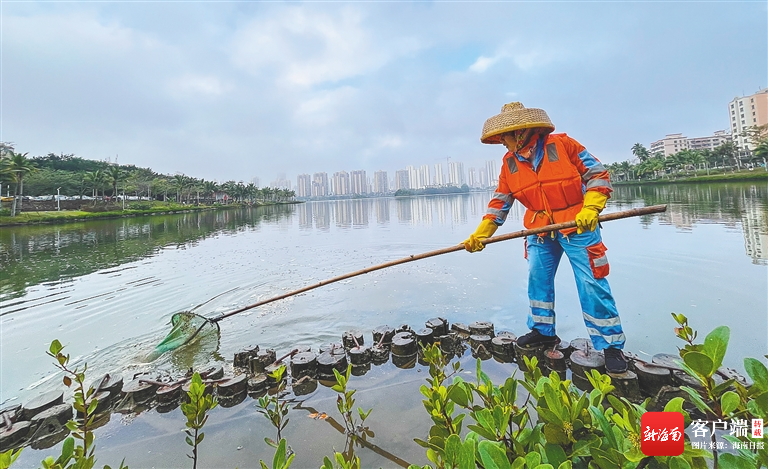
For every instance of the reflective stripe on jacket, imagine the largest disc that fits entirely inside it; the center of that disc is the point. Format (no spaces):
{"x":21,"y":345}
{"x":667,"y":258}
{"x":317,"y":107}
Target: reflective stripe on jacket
{"x":553,"y":192}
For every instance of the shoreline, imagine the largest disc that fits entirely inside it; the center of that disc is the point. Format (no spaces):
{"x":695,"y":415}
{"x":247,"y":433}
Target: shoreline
{"x":743,"y":176}
{"x":70,"y":216}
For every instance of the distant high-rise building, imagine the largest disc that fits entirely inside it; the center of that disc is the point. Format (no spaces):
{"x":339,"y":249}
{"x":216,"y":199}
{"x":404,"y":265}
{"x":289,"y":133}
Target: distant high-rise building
{"x":483,"y":177}
{"x":304,"y":185}
{"x":492,"y":173}
{"x":358,"y":182}
{"x":674,"y":143}
{"x":255,"y":181}
{"x":320,"y":185}
{"x":423,"y":176}
{"x":413,"y":177}
{"x":472,"y":179}
{"x":341,"y":183}
{"x":439,"y":176}
{"x":402,"y":179}
{"x":746,"y":112}
{"x":456,"y":173}
{"x":281,"y":182}
{"x":380,"y":182}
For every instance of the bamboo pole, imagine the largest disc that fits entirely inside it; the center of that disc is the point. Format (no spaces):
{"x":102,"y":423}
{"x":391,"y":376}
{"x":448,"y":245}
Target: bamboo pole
{"x":635,"y":212}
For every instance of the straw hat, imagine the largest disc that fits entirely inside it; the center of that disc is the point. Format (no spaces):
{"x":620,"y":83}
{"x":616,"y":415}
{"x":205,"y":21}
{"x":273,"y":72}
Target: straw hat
{"x":514,"y":116}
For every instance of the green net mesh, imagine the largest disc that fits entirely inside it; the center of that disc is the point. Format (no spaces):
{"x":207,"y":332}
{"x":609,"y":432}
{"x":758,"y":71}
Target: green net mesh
{"x":187,"y":327}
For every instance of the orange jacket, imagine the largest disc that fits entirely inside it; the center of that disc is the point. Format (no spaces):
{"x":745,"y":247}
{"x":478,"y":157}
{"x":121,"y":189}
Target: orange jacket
{"x":554,"y":191}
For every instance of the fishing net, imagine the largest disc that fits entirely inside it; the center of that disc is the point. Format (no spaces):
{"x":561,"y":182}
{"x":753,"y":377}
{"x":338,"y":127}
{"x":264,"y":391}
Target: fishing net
{"x":186,"y":328}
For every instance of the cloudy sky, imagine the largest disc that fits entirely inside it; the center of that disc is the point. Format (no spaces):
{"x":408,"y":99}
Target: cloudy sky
{"x":232,"y":90}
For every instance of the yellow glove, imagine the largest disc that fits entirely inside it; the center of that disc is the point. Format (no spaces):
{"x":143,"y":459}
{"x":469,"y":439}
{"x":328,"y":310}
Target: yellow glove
{"x":586,"y":219}
{"x":475,"y":241}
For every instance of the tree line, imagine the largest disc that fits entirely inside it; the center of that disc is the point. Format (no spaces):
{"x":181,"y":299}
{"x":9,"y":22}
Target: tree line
{"x":71,"y":175}
{"x":645,"y":165}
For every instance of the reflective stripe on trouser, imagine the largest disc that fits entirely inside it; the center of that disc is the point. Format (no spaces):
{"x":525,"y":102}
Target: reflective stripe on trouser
{"x":597,"y":305}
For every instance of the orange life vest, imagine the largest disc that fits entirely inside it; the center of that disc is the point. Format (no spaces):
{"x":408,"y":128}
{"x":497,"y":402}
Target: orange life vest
{"x":554,"y":194}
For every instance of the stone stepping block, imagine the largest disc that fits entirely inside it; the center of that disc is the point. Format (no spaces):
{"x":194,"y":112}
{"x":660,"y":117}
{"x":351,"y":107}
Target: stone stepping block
{"x":353,"y":338}
{"x":531,"y":352}
{"x":566,"y":348}
{"x":360,"y":370}
{"x":231,"y":401}
{"x":109,"y":382}
{"x":304,"y":364}
{"x":334,"y":348}
{"x":461,"y":329}
{"x":555,"y":360}
{"x":50,"y":440}
{"x":327,"y":362}
{"x":232,"y":386}
{"x":405,"y":362}
{"x":481,"y":346}
{"x":681,"y":378}
{"x":243,"y":357}
{"x":425,"y":336}
{"x":13,"y":436}
{"x":731,"y":373}
{"x":580,"y":343}
{"x":481,"y":328}
{"x":50,"y":421}
{"x":627,"y":385}
{"x":503,"y":346}
{"x":271,"y":369}
{"x":139,"y":390}
{"x":304,"y":386}
{"x":262,"y":360}
{"x":168,"y":394}
{"x":403,"y":328}
{"x":9,"y":415}
{"x":359,"y":355}
{"x":404,"y":344}
{"x":214,"y":371}
{"x":383,"y":335}
{"x":668,"y":360}
{"x":41,"y":403}
{"x":379,"y":355}
{"x":439,"y":325}
{"x":257,"y":383}
{"x":582,"y":362}
{"x":652,"y":378}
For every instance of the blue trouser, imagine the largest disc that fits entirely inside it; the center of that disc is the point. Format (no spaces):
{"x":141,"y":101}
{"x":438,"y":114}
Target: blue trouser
{"x":587,"y":256}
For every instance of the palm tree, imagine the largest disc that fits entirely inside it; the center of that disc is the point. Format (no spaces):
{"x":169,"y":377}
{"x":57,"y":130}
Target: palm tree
{"x":640,"y":152}
{"x":94,"y":180}
{"x":210,"y":188}
{"x":114,"y":175}
{"x":180,"y":182}
{"x":19,"y":166}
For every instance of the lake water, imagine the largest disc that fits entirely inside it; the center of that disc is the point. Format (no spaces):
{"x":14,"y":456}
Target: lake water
{"x":107,"y":289}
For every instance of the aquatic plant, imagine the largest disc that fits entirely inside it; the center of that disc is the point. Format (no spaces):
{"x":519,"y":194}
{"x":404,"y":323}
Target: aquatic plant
{"x":78,"y":456}
{"x":196,"y":411}
{"x":273,"y":408}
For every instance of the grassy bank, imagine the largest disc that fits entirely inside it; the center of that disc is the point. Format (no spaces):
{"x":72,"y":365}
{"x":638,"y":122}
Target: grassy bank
{"x":134,"y":210}
{"x":758,"y":174}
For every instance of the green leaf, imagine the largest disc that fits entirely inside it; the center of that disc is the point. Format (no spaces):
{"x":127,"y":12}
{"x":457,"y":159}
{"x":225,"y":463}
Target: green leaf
{"x":565,"y":465}
{"x":55,"y":347}
{"x":555,"y":454}
{"x":458,"y":394}
{"x":702,"y":364}
{"x":733,"y":461}
{"x":452,"y":450}
{"x":493,"y":455}
{"x":759,"y":406}
{"x":532,"y":459}
{"x":697,"y":400}
{"x":729,"y":402}
{"x":598,"y":415}
{"x":678,"y":462}
{"x":715,"y":345}
{"x":279,"y":458}
{"x":758,"y":372}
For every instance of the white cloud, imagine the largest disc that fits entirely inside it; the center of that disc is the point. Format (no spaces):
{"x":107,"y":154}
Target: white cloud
{"x":197,"y":85}
{"x":305,"y":47}
{"x":483,"y":63}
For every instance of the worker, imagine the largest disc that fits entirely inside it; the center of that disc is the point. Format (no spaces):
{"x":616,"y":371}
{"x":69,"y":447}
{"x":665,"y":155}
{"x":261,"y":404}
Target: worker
{"x":557,"y":180}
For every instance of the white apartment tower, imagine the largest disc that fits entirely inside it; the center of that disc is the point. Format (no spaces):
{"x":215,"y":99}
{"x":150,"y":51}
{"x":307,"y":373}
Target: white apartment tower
{"x":491,"y":173}
{"x":304,"y":185}
{"x":746,"y":112}
{"x":455,"y":173}
{"x":380,"y":182}
{"x":341,"y":183}
{"x":358,"y":182}
{"x":439,"y":176}
{"x":320,"y":185}
{"x":402,"y":178}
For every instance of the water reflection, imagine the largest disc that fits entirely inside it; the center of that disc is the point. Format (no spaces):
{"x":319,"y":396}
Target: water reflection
{"x":32,"y":255}
{"x":739,"y":206}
